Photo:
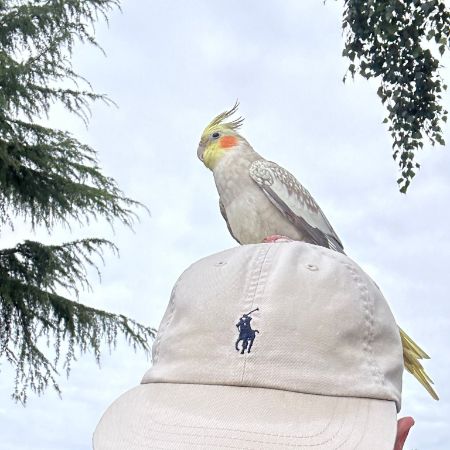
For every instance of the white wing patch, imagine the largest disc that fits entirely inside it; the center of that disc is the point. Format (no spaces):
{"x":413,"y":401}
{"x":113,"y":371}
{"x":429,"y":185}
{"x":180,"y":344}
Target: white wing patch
{"x":293,"y":200}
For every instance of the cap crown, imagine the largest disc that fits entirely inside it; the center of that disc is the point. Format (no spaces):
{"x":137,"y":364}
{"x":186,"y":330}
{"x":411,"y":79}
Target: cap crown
{"x":322,"y":325}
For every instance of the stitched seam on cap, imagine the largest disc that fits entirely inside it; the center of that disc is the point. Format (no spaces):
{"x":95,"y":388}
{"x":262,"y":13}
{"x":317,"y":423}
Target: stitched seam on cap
{"x":261,"y":437}
{"x":368,"y":307}
{"x":255,"y":278}
{"x":166,"y":323}
{"x":364,"y":428}
{"x":369,"y":333}
{"x":336,"y":415}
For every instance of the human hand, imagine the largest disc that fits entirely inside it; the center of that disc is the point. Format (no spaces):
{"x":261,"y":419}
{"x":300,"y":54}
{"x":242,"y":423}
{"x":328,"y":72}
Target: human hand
{"x":403,"y":426}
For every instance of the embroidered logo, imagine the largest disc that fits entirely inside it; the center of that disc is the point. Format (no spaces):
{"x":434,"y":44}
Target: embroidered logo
{"x":246,"y":333}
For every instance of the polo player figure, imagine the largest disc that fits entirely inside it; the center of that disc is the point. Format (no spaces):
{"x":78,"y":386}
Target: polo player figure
{"x":246,"y":333}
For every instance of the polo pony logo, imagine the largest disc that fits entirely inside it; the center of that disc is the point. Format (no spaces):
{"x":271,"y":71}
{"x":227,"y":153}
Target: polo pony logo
{"x":246,"y":333}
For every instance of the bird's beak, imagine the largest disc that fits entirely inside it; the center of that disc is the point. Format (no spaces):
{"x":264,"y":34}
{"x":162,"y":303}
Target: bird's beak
{"x":200,"y":150}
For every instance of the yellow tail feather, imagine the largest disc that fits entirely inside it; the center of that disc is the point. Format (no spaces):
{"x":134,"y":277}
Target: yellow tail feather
{"x":411,"y":355}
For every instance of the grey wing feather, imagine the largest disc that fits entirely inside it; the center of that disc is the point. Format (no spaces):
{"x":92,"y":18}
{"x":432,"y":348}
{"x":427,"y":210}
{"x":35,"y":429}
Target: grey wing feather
{"x":294,"y":202}
{"x":224,"y":215}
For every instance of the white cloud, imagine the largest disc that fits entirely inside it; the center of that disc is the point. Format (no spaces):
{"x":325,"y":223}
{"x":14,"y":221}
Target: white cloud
{"x":171,"y":67}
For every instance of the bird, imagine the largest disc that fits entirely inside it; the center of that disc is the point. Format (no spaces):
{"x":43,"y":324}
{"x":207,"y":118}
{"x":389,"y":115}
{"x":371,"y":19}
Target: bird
{"x":258,"y":198}
{"x":263,"y":202}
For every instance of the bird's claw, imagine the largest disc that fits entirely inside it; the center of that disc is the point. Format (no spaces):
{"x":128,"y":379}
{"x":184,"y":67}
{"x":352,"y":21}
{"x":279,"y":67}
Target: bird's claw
{"x":276,"y":238}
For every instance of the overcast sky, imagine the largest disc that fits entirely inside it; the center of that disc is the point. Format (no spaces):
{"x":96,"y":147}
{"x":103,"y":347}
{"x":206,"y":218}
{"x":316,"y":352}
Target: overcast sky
{"x":171,"y":67}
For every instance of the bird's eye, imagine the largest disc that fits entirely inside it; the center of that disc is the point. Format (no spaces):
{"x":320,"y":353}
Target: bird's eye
{"x":215,"y":135}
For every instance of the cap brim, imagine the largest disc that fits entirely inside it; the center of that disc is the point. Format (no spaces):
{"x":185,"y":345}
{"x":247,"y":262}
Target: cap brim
{"x":191,"y":416}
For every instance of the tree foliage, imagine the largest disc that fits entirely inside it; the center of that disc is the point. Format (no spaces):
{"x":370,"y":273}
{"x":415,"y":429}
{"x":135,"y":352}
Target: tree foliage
{"x":400,"y":42}
{"x":48,"y":177}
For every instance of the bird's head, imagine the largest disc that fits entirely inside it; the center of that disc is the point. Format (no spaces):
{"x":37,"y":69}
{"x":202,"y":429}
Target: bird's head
{"x":219,"y":138}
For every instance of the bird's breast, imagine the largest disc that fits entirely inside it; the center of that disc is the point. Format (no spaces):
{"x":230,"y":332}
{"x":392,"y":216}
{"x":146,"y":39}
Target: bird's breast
{"x":252,"y":217}
{"x":250,"y":214}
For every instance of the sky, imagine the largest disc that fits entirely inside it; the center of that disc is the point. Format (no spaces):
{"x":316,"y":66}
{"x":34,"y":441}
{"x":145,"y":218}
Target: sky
{"x":171,"y":67}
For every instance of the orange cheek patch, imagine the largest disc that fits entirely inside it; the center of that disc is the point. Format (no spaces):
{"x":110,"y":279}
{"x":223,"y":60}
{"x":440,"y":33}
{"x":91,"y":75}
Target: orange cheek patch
{"x":228,"y":141}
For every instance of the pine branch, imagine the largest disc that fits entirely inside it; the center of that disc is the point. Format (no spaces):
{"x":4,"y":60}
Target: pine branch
{"x":46,"y":175}
{"x":36,"y":40}
{"x":33,"y":315}
{"x":49,"y":177}
{"x":392,"y":40}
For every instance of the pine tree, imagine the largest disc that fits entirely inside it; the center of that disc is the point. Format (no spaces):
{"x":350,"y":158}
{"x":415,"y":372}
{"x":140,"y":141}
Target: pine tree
{"x":47,"y":177}
{"x":400,"y":43}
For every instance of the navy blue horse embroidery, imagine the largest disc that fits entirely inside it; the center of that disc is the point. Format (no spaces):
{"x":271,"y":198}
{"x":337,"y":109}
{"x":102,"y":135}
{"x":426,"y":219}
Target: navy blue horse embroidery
{"x":246,"y":333}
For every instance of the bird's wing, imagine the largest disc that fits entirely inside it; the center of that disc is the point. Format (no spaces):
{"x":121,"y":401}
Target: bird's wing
{"x":294,"y":202}
{"x":224,"y":215}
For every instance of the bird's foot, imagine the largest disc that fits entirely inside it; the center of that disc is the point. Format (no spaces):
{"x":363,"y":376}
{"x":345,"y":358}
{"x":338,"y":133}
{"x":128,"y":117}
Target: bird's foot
{"x":276,"y":238}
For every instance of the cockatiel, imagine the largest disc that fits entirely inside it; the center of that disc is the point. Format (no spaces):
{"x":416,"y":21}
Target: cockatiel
{"x":259,"y":199}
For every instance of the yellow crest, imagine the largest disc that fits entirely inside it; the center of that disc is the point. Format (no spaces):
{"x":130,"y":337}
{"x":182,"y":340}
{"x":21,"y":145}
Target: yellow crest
{"x":218,"y":121}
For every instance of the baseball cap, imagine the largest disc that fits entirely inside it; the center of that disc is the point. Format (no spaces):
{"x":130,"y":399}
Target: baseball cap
{"x":267,"y":346}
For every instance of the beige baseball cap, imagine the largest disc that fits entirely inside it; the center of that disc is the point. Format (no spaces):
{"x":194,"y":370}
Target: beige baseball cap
{"x":267,"y":346}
